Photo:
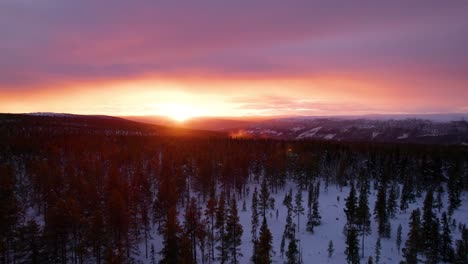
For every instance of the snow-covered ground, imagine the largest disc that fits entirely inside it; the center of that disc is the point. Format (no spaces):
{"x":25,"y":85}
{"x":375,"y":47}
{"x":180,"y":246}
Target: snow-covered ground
{"x":314,"y":246}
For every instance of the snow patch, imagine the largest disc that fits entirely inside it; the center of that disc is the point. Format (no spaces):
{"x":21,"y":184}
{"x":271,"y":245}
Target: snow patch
{"x":309,"y":133}
{"x":405,"y":135}
{"x":375,"y":134}
{"x":296,"y":129}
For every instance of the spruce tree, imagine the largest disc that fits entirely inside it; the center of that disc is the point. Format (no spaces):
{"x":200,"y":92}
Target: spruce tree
{"x":398,"y":238}
{"x":407,"y":193}
{"x":352,"y":246}
{"x":378,"y":248}
{"x":454,"y":186}
{"x":171,"y":238}
{"x":192,"y":226}
{"x":263,"y":250}
{"x":439,"y":203}
{"x":330,"y":249}
{"x":446,"y":247}
{"x":461,"y":255}
{"x":210,"y":220}
{"x":363,"y":216}
{"x":314,"y":219}
{"x":282,"y":245}
{"x":233,"y":233}
{"x":220,"y":225}
{"x":428,"y":222}
{"x":432,"y":250}
{"x":152,"y":255}
{"x":391,"y":202}
{"x":310,"y":198}
{"x":292,"y":255}
{"x":290,"y":227}
{"x":351,"y":209}
{"x":264,"y":199}
{"x":380,"y":212}
{"x":298,"y":207}
{"x":254,"y":220}
{"x":413,"y":242}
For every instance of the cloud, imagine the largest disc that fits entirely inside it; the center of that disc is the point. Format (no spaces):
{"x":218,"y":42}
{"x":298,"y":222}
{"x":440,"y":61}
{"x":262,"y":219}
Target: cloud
{"x":323,"y":50}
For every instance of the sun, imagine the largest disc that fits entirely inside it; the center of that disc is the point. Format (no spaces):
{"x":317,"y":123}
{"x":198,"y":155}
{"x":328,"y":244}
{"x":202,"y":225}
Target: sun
{"x":177,"y":112}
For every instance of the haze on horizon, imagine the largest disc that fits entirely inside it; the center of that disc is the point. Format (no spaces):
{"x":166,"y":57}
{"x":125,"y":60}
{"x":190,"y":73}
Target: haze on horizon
{"x":234,"y":58}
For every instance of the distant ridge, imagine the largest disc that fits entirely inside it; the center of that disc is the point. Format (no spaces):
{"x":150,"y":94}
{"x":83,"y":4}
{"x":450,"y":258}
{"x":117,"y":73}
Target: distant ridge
{"x":71,"y":124}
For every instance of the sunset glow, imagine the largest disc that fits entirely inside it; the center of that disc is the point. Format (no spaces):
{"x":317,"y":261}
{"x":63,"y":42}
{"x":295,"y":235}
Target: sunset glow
{"x":233,"y":59}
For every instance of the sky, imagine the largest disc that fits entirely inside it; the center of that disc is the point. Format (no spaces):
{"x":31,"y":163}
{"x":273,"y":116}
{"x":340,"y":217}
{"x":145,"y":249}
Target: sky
{"x":233,"y":58}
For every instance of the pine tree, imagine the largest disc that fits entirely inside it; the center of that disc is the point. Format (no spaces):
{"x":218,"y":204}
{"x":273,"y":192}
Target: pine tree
{"x":298,"y":208}
{"x":330,"y":249}
{"x":263,"y":250}
{"x":352,"y":246}
{"x":446,"y":248}
{"x":370,"y":260}
{"x":413,"y":242}
{"x":378,"y":248}
{"x":233,"y":233}
{"x":254,"y":220}
{"x":398,"y":238}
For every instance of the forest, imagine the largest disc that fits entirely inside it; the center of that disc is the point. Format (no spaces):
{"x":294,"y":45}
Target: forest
{"x":68,"y":198}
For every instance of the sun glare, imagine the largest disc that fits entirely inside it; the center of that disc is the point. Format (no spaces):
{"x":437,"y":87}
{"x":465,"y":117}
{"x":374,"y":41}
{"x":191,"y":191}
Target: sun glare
{"x":178,"y":112}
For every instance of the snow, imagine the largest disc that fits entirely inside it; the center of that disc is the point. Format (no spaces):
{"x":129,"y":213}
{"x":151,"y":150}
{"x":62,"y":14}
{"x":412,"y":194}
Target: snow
{"x":405,"y":135}
{"x":375,"y":134}
{"x":296,"y":129}
{"x":273,"y":132}
{"x":329,"y":136}
{"x":309,"y":133}
{"x":314,"y":246}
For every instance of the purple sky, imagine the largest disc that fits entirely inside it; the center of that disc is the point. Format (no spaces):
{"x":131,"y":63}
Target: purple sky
{"x":329,"y":56}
